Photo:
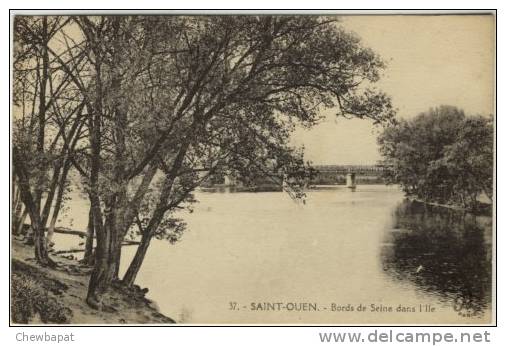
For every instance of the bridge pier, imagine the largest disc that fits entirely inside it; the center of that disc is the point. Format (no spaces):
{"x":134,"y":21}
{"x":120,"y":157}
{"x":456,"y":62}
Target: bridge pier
{"x":350,"y":181}
{"x":227,"y":181}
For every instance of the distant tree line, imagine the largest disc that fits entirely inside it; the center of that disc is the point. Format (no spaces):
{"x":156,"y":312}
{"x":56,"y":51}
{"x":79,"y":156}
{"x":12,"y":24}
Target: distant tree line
{"x":442,"y":156}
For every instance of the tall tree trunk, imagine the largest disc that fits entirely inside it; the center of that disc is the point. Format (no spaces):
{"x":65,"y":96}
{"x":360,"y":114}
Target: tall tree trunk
{"x":131,"y":208}
{"x":49,"y":201}
{"x":17,"y":212}
{"x":120,"y":125}
{"x":103,"y":269}
{"x":16,"y":201}
{"x":156,"y":218}
{"x":116,"y":231}
{"x":109,"y":234}
{"x":115,"y":259}
{"x":18,"y":227}
{"x":101,"y":275}
{"x":154,"y":222}
{"x":108,"y":249}
{"x":41,"y":253}
{"x":50,"y":230}
{"x":14,"y":191}
{"x":106,"y":253}
{"x":90,"y":234}
{"x":41,"y":116}
{"x":59,"y":197}
{"x":135,"y":265}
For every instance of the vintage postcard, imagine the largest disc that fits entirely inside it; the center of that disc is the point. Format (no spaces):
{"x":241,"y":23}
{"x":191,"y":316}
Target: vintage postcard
{"x":251,"y":169}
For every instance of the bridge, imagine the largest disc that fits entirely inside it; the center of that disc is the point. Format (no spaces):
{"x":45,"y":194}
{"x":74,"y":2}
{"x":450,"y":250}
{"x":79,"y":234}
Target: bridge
{"x":349,"y":175}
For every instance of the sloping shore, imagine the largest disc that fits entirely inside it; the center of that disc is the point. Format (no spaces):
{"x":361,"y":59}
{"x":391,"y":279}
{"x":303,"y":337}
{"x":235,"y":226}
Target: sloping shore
{"x":42,"y":295}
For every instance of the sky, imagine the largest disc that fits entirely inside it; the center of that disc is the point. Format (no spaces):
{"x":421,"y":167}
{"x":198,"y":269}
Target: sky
{"x":431,"y":60}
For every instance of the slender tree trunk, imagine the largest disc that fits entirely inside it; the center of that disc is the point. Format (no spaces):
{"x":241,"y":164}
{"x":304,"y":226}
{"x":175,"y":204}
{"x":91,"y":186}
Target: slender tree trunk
{"x":90,"y":234}
{"x":103,"y":269}
{"x":125,"y":218}
{"x":116,"y":238}
{"x":135,"y":265}
{"x":17,"y":205}
{"x":51,"y":193}
{"x":156,"y":218}
{"x":14,"y":191}
{"x":59,"y":197}
{"x":47,"y":206}
{"x":100,"y":276}
{"x":117,"y":256}
{"x":50,"y":230}
{"x":42,"y":114}
{"x":120,"y":125}
{"x":41,"y":254}
{"x":18,"y":227}
{"x":18,"y":212}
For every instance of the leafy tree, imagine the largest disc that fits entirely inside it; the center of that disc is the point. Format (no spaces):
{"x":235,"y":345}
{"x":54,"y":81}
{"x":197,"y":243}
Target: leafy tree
{"x":253,"y":85}
{"x":471,"y":160}
{"x":169,"y":101}
{"x":441,"y":156}
{"x":48,"y":123}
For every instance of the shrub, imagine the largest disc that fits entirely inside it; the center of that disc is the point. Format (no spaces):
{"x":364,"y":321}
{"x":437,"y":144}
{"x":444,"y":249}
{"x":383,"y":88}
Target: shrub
{"x":441,"y":156}
{"x":29,"y":299}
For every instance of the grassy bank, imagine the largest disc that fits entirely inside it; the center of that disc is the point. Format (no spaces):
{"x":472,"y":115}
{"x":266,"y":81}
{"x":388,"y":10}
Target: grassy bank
{"x":42,"y":295}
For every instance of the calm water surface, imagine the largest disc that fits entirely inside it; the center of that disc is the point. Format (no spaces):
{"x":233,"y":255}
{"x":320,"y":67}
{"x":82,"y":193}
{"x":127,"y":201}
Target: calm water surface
{"x":340,"y":249}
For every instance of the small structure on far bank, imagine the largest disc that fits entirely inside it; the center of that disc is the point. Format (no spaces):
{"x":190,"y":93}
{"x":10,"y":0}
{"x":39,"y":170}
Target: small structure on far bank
{"x":350,"y":181}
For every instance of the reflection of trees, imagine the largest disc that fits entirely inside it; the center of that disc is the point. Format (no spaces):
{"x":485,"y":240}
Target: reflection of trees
{"x":442,"y":251}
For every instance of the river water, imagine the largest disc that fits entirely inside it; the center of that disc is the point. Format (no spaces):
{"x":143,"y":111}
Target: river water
{"x":363,"y":256}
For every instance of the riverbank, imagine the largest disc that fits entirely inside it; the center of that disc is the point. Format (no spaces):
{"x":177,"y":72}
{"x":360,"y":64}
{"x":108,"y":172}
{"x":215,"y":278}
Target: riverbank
{"x":43,"y":295}
{"x":483,"y":208}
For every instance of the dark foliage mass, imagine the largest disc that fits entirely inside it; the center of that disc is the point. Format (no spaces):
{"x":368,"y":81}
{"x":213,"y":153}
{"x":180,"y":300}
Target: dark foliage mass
{"x":441,"y":156}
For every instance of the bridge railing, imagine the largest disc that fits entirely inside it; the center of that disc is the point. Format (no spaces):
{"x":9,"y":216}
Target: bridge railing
{"x":349,"y":168}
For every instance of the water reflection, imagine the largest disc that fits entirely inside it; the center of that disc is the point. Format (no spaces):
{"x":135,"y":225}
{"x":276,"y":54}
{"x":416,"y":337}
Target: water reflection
{"x":340,"y":247}
{"x":444,"y":252}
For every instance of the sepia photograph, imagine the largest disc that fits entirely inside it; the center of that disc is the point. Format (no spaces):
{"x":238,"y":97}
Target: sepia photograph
{"x":253,"y":168}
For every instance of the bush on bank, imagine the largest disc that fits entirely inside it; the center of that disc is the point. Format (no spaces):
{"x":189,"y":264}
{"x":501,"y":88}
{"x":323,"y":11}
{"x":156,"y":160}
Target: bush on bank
{"x":442,"y":156}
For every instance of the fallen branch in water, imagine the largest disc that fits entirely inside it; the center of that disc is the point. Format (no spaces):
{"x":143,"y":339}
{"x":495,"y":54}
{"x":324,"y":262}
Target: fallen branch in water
{"x":81,"y":234}
{"x":63,"y":230}
{"x":66,"y":251}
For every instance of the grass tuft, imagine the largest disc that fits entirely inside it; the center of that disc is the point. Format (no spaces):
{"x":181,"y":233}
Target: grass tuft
{"x":30,"y":300}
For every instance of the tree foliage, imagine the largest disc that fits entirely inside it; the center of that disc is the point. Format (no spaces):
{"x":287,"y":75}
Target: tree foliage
{"x":441,"y":156}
